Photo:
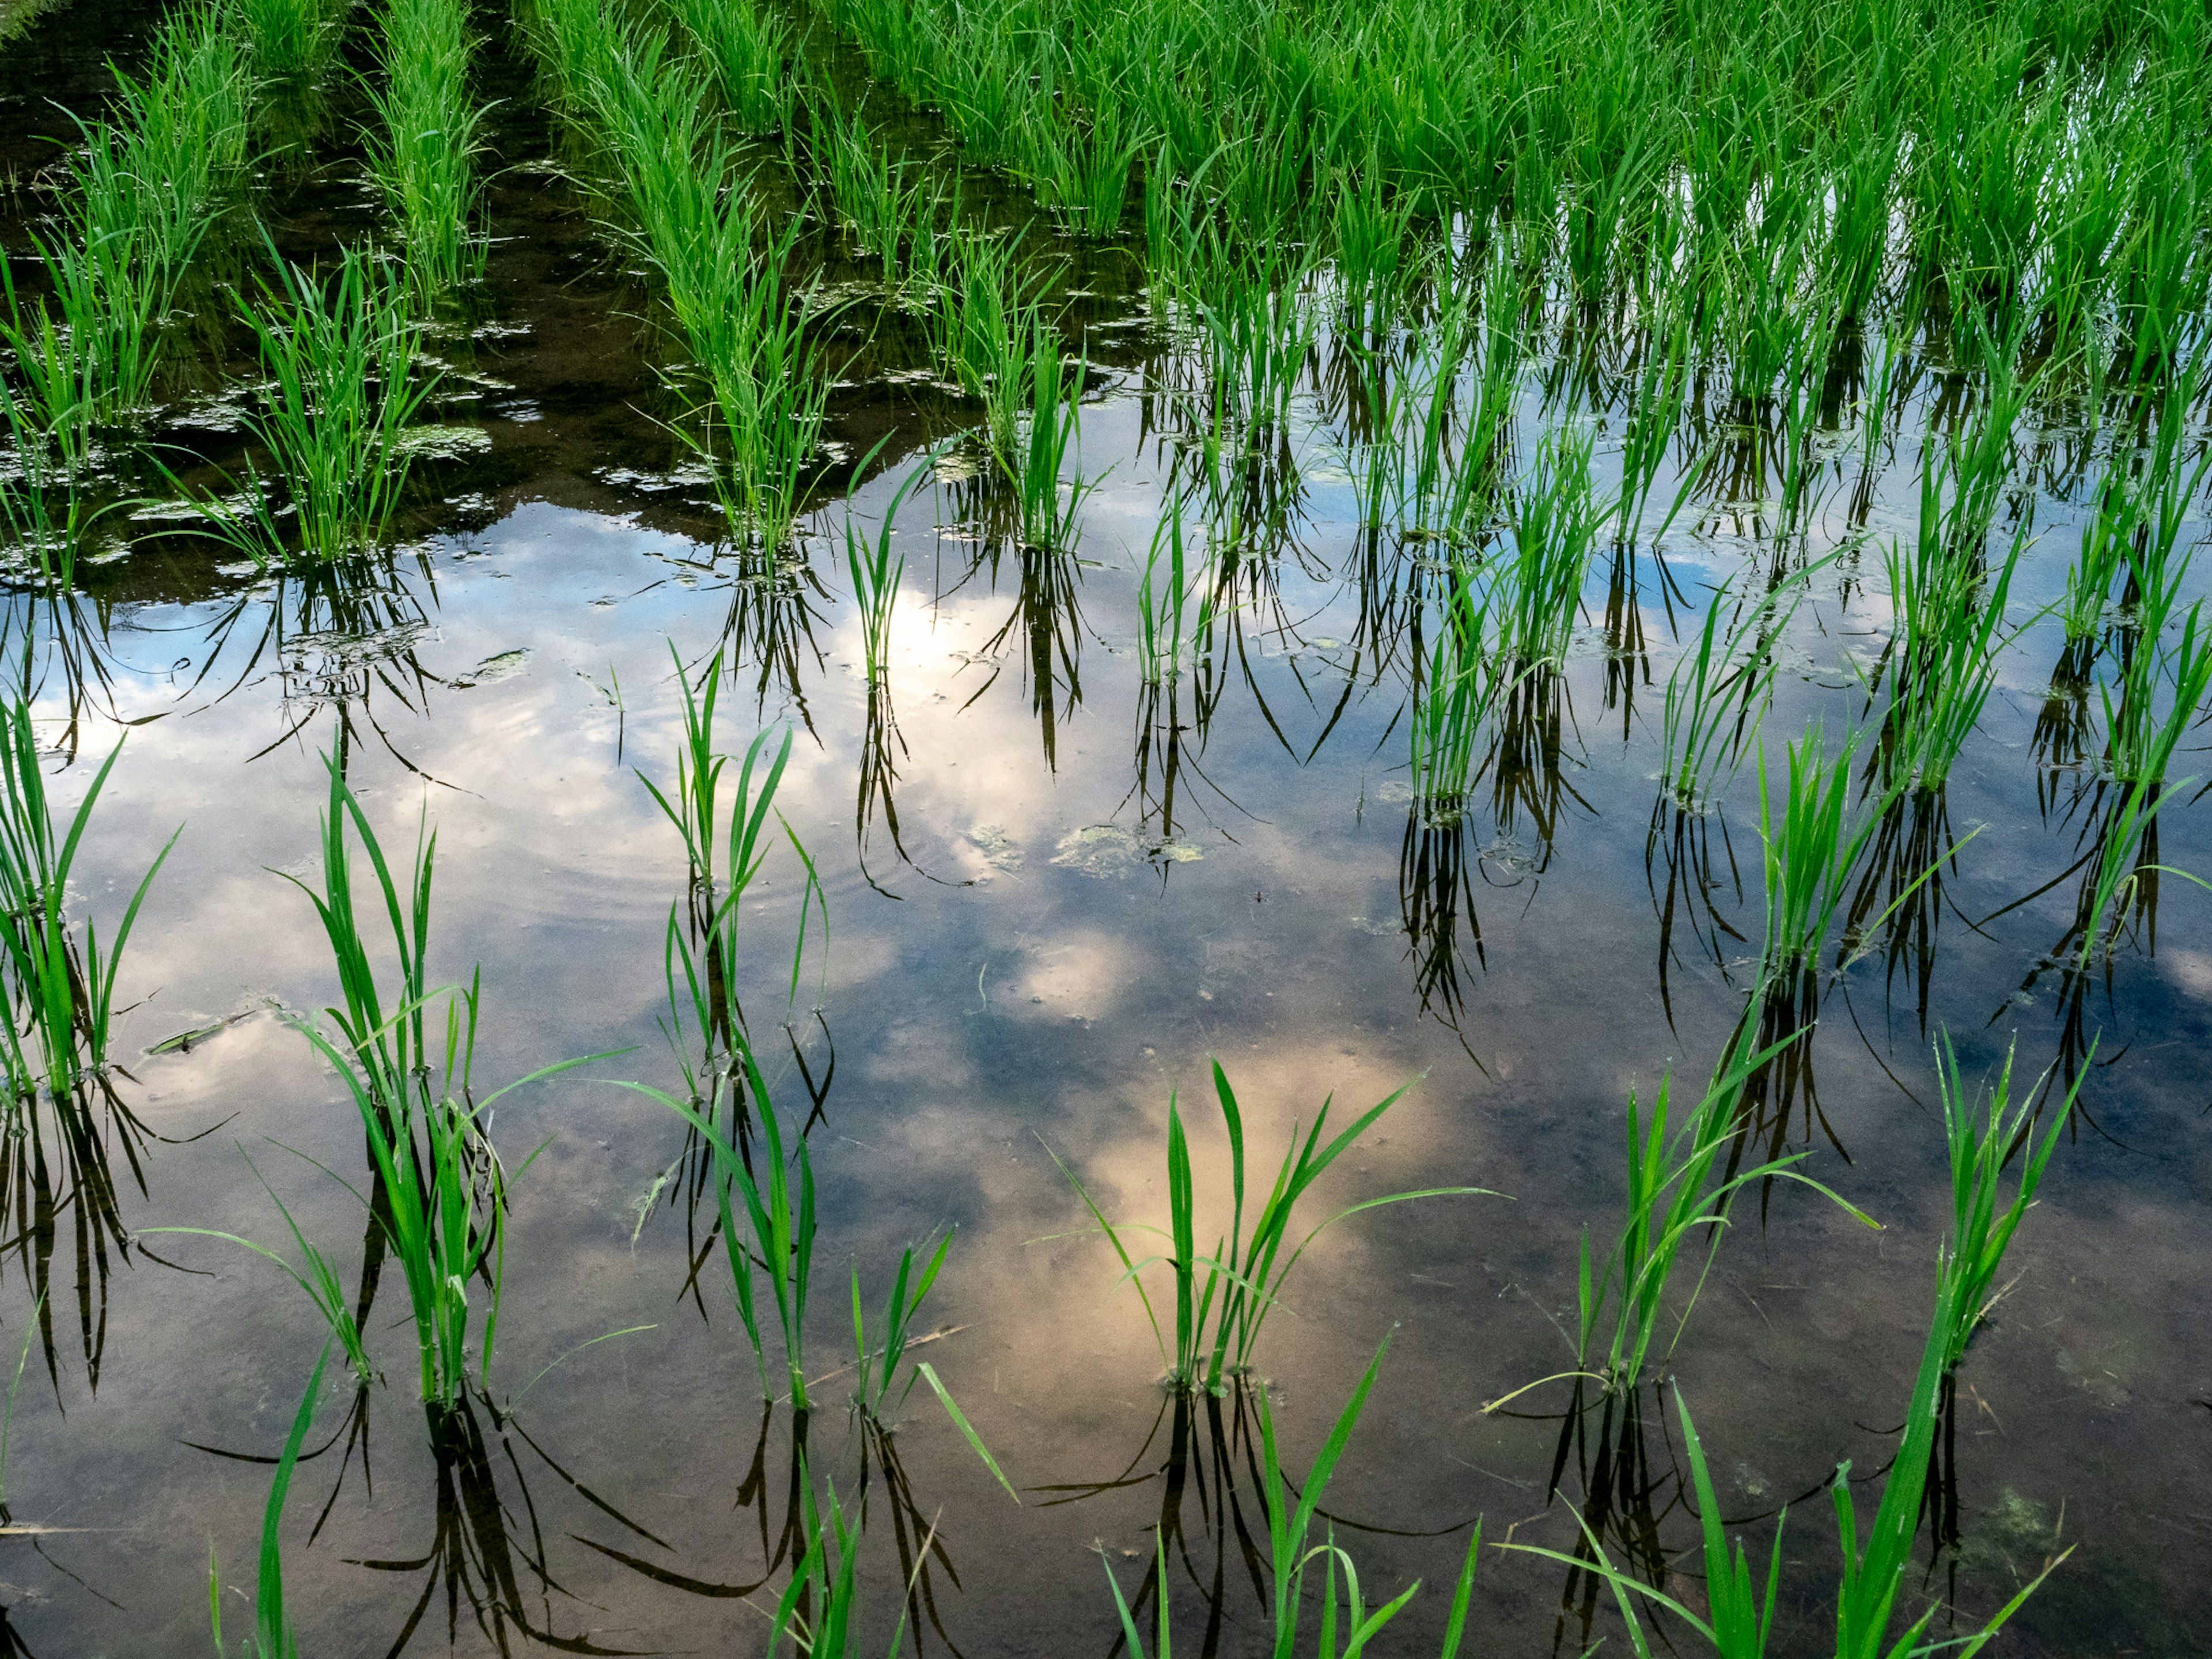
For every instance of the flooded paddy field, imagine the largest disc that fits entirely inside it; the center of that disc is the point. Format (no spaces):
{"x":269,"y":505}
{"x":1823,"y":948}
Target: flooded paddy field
{"x":990,"y":606}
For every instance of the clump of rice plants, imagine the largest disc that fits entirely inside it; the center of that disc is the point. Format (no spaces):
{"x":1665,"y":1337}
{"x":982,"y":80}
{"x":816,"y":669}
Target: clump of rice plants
{"x":1718,"y":691}
{"x":776,"y":1187}
{"x":1174,"y":602}
{"x":890,"y":205}
{"x":749,"y":50}
{"x":1538,"y":593}
{"x":422,"y":151}
{"x":343,"y":357}
{"x":1222,"y":1300}
{"x":725,"y":271}
{"x":1737,"y":1621}
{"x":1943,"y":658}
{"x":439,"y":1191}
{"x":288,"y":38}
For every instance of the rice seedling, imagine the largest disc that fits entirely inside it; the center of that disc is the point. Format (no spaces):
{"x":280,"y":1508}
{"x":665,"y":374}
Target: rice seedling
{"x":346,"y":381}
{"x":421,"y":152}
{"x":2123,"y":869}
{"x":1943,"y":656}
{"x":1081,"y":171}
{"x":778,"y":1241}
{"x":878,"y":1366}
{"x":1219,"y":1314}
{"x":65,"y":992}
{"x":1983,"y":1141}
{"x":887,"y":204}
{"x":1812,"y":849}
{"x":1175,"y":604}
{"x":1718,"y":692}
{"x":1653,"y":414}
{"x":440,"y":1187}
{"x":1674,"y":1191}
{"x":288,"y":38}
{"x":1537,"y":594}
{"x":1738,"y":1622}
{"x":271,"y":1637}
{"x":749,"y":50}
{"x":727,"y":293}
{"x":1293,"y":1557}
{"x":703,"y":945}
{"x":985,"y":331}
{"x":1049,"y":507}
{"x":876,"y":572}
{"x":1466,"y":676}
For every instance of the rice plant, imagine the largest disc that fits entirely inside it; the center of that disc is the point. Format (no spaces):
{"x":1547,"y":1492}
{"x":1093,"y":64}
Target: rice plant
{"x":271,"y":1637}
{"x":63,"y":990}
{"x":1718,"y":692}
{"x":749,"y":50}
{"x":1081,"y":169}
{"x":878,"y":1363}
{"x":1466,"y":676}
{"x":1293,"y":1557}
{"x":888,"y":204}
{"x":1174,"y":602}
{"x":1049,"y":507}
{"x":1811,"y":849}
{"x":422,"y":153}
{"x":1982,"y":1142}
{"x":727,"y":293}
{"x":1537,"y":594}
{"x":1943,"y":656}
{"x":1220,"y":1311}
{"x":288,"y":38}
{"x":1737,"y":1620}
{"x":439,"y":1192}
{"x":346,"y":381}
{"x":776,"y":1187}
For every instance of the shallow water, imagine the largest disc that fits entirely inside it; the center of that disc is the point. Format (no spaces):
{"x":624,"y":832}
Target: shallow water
{"x":1086,"y":892}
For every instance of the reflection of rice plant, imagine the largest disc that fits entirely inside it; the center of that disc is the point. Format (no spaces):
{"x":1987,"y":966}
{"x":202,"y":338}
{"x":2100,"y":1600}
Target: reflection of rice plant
{"x":1290,"y":1528}
{"x":747,"y":50}
{"x":1219,"y":1312}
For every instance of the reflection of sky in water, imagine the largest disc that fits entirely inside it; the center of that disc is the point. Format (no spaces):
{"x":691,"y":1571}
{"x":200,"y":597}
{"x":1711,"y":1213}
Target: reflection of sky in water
{"x":1040,"y":974}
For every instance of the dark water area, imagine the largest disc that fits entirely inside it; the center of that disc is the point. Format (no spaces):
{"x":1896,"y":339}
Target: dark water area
{"x":1054,"y":891}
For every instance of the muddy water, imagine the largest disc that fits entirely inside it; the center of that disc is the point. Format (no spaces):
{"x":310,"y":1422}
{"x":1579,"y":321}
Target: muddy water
{"x":1087,"y":891}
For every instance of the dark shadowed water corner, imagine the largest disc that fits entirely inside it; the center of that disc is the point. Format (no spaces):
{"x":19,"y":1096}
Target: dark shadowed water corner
{"x":1053,"y":893}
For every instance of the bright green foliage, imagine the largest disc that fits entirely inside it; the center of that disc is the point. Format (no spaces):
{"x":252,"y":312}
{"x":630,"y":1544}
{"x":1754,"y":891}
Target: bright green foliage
{"x":422,"y":152}
{"x":1347,"y":1624}
{"x":62,"y":992}
{"x":344,"y":359}
{"x":1222,"y":1300}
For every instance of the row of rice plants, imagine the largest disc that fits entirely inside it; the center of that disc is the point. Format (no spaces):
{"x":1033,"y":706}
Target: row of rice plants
{"x":422,"y":157}
{"x":138,"y":197}
{"x":724,"y":268}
